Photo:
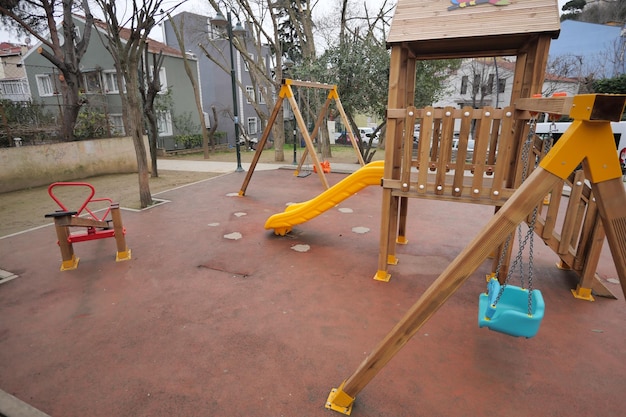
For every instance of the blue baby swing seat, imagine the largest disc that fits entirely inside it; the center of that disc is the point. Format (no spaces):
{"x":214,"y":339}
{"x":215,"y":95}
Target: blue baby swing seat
{"x":511,"y":315}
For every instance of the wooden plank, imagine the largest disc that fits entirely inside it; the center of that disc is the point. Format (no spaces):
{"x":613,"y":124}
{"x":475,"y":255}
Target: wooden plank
{"x":395,"y":114}
{"x":407,"y":153}
{"x":611,"y":200}
{"x":556,"y":196}
{"x":307,"y":140}
{"x":459,"y":166}
{"x":72,"y":221}
{"x":571,"y":214}
{"x":481,"y":141}
{"x":585,"y":236}
{"x":313,"y":84}
{"x":426,"y":134}
{"x":428,"y":20}
{"x":394,"y":101}
{"x":505,"y":154}
{"x":445,"y":148}
{"x":261,"y":145}
{"x":318,"y":123}
{"x":552,"y":105}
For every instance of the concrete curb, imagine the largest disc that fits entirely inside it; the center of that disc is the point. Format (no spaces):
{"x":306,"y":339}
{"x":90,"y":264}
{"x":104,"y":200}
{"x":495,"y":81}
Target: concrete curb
{"x":11,"y":406}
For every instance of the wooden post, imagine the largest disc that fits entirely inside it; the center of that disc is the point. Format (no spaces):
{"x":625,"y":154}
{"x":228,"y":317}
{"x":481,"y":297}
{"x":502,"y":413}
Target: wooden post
{"x":123,"y":253}
{"x":261,"y":144}
{"x":611,"y":199}
{"x":393,"y":159}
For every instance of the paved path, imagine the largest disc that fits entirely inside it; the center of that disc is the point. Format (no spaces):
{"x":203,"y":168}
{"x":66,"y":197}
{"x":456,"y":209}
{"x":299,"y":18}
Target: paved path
{"x":224,"y":167}
{"x":208,"y":166}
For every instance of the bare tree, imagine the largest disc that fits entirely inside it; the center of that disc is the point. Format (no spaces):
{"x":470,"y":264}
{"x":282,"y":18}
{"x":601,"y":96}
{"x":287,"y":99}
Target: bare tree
{"x":64,"y":50}
{"x":149,"y":90}
{"x":127,"y":51}
{"x":263,"y":20}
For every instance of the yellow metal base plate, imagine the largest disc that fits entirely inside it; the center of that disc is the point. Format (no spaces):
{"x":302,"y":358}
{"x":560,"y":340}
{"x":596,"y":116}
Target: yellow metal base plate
{"x":382,"y":276}
{"x":583,"y":293}
{"x":331,"y":405}
{"x":70,"y":264}
{"x":122,"y":256}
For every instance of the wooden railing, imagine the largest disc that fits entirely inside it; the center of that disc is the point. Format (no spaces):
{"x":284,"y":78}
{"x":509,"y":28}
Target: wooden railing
{"x":477,"y":156}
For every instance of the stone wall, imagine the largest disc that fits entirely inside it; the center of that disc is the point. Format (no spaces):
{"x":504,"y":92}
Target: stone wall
{"x":32,"y":166}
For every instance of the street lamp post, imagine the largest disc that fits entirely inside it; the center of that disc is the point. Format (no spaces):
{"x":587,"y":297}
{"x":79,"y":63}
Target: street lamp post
{"x":221,"y":22}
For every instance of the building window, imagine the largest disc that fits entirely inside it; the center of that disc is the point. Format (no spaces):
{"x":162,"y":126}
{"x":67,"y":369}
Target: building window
{"x":46,"y":85}
{"x":164,"y":123}
{"x":13,"y":88}
{"x":464,"y":81}
{"x":116,"y":121}
{"x":250,"y":94}
{"x":91,"y":81}
{"x":476,"y":84}
{"x":489,"y":87}
{"x":261,"y":96}
{"x":252,"y":126}
{"x":501,"y":85}
{"x":110,"y":82}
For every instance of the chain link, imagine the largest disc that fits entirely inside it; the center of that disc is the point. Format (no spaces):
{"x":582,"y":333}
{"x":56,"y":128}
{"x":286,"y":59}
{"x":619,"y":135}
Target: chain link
{"x":528,"y":239}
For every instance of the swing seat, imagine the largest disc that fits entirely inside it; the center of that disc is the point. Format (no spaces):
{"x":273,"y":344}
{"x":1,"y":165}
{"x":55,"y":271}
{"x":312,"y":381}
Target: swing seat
{"x":510,"y":315}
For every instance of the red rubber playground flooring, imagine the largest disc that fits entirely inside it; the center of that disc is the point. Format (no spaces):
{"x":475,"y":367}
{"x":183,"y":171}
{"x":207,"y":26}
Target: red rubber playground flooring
{"x":216,"y":316}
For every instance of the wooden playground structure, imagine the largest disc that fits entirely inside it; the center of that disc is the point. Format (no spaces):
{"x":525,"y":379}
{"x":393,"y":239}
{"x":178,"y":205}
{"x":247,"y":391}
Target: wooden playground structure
{"x":93,"y":226}
{"x":493,"y":173}
{"x":286,"y":92}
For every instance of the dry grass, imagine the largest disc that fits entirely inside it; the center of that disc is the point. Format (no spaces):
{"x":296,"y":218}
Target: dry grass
{"x":25,"y":209}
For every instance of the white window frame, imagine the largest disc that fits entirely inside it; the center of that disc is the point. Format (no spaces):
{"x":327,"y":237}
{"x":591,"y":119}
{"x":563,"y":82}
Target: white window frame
{"x":13,"y":87}
{"x":252,"y":125}
{"x":96,"y":76}
{"x":116,"y":123}
{"x":45,"y":86}
{"x":164,"y":123}
{"x":110,"y":82}
{"x":261,"y":96}
{"x":250,"y":94}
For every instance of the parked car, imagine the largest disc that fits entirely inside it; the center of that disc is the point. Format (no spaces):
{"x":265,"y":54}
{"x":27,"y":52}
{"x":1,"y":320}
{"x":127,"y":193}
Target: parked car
{"x":342,"y":139}
{"x":364,"y":132}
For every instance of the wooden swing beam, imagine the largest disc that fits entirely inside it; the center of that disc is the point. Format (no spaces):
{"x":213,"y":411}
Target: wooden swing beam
{"x":286,"y":92}
{"x":589,"y":140}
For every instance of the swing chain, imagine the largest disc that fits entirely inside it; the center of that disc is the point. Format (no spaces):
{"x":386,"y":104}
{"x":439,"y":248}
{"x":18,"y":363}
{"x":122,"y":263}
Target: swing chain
{"x":528,"y":238}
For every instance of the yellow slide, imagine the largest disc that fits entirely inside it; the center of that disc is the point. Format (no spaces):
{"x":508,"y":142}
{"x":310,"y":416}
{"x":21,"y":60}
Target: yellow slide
{"x":370,"y":174}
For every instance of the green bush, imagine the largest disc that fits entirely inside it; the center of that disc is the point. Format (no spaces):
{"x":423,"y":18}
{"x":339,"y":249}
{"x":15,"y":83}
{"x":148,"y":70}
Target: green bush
{"x":91,"y":124}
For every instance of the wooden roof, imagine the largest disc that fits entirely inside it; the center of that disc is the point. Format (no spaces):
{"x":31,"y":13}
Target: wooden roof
{"x":441,"y":28}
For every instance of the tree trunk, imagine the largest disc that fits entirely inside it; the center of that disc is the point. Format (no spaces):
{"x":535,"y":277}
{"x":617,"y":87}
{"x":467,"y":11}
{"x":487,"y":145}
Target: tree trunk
{"x":153,"y":133}
{"x":279,"y":137}
{"x":71,"y":108}
{"x":136,"y":121}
